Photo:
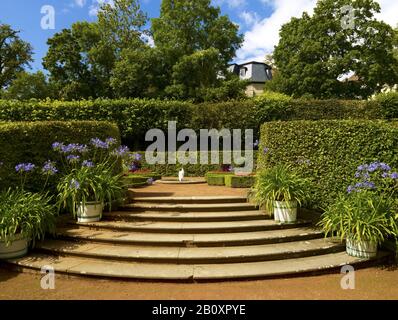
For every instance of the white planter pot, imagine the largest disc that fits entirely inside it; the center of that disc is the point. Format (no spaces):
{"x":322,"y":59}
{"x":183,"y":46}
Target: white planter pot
{"x":91,"y":212}
{"x":17,"y":249}
{"x":285,"y":211}
{"x":361,"y":249}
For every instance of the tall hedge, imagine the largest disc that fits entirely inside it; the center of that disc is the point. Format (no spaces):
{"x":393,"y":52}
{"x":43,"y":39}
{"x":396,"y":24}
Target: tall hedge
{"x":328,"y":151}
{"x":135,"y":117}
{"x":30,"y":142}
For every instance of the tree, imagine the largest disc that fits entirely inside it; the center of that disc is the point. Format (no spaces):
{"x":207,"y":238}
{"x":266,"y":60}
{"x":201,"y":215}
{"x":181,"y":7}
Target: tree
{"x":29,"y":86}
{"x":196,"y":42}
{"x":139,"y":73}
{"x":79,"y":62}
{"x":314,"y":52}
{"x":121,"y":24}
{"x":15,"y":54}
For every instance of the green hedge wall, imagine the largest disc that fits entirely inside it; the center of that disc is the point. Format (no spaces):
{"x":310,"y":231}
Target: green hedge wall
{"x":24,"y":142}
{"x":329,"y":151}
{"x":135,"y":116}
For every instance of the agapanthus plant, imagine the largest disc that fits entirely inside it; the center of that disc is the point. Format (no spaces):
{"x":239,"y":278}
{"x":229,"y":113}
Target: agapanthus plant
{"x":378,"y":177}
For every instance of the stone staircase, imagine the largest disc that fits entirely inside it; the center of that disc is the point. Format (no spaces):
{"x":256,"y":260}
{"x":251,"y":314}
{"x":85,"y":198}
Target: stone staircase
{"x":187,"y":239}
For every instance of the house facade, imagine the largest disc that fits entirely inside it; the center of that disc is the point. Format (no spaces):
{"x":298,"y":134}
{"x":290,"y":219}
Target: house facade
{"x":256,"y":73}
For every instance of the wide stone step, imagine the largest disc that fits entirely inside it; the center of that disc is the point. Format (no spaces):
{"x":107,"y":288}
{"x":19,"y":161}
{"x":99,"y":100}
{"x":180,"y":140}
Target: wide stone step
{"x":192,"y":255}
{"x":188,"y":200}
{"x":182,"y":272}
{"x":191,"y":227}
{"x":145,"y":206}
{"x":186,"y":216}
{"x":188,"y":240}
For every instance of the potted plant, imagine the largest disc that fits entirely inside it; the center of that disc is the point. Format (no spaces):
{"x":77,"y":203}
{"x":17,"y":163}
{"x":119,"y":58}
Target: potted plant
{"x":364,"y":219}
{"x":280,"y":190}
{"x":86,"y":190}
{"x":24,"y":217}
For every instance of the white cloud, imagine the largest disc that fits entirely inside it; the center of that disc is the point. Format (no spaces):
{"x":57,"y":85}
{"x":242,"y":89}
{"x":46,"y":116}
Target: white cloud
{"x":264,"y":34}
{"x":231,"y":3}
{"x":249,"y":18}
{"x":80,"y":3}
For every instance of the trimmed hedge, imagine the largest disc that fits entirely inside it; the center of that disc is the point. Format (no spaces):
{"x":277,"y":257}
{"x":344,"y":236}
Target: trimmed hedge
{"x":216,"y":180}
{"x":191,"y":170}
{"x":329,"y":152}
{"x":23,"y":142}
{"x":240,"y":181}
{"x":135,"y":117}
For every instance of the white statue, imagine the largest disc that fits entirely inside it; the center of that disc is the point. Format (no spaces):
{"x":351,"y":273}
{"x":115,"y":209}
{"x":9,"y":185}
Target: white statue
{"x":181,"y":175}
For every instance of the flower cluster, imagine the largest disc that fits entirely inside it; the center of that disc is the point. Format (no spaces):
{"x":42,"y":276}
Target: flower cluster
{"x":70,"y":148}
{"x":88,"y":164}
{"x":374,"y":176}
{"x":121,"y":152}
{"x":99,"y":144}
{"x":49,"y":168}
{"x":135,"y":162}
{"x":24,"y":167}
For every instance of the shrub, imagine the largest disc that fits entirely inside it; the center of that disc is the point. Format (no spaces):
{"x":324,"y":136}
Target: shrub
{"x":216,"y":180}
{"x":329,"y":152}
{"x":31,"y":142}
{"x":135,"y":117}
{"x":232,"y":181}
{"x":389,"y":104}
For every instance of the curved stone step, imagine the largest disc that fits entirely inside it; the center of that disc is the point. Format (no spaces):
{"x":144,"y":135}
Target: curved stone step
{"x":171,"y":272}
{"x":189,"y":240}
{"x":191,"y":227}
{"x":144,"y":206}
{"x":189,"y":200}
{"x":177,"y":255}
{"x":186,"y":216}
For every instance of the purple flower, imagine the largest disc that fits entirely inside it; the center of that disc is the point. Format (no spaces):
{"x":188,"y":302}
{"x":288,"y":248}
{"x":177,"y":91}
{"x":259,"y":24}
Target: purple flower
{"x":363,"y":167}
{"x":57,"y":146}
{"x":73,"y":158}
{"x":266,"y":150}
{"x":74,"y":184}
{"x":110,"y":141}
{"x":394,"y":175}
{"x":373,"y":167}
{"x":49,"y":168}
{"x":121,"y":151}
{"x":133,"y":167}
{"x":24,"y":167}
{"x":150,"y":181}
{"x":385,"y":175}
{"x":385,"y":167}
{"x":88,"y":164}
{"x":138,"y":157}
{"x":350,"y":189}
{"x":99,"y":144}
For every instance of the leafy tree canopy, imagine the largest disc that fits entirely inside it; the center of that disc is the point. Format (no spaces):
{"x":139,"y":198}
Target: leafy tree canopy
{"x":315,"y":52}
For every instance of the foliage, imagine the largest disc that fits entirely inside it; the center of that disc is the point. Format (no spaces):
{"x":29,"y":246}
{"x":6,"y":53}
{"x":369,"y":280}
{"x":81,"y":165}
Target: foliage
{"x":80,"y":62}
{"x":216,"y":179}
{"x":280,"y":183}
{"x":29,"y":214}
{"x":30,"y":142}
{"x":27,"y":86}
{"x":314,"y":52}
{"x":360,"y":216}
{"x":233,"y":181}
{"x":328,"y":151}
{"x":135,"y":117}
{"x":15,"y":54}
{"x":389,"y":104}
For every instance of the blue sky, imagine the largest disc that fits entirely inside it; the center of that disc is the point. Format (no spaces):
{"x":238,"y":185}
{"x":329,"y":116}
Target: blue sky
{"x":259,"y":20}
